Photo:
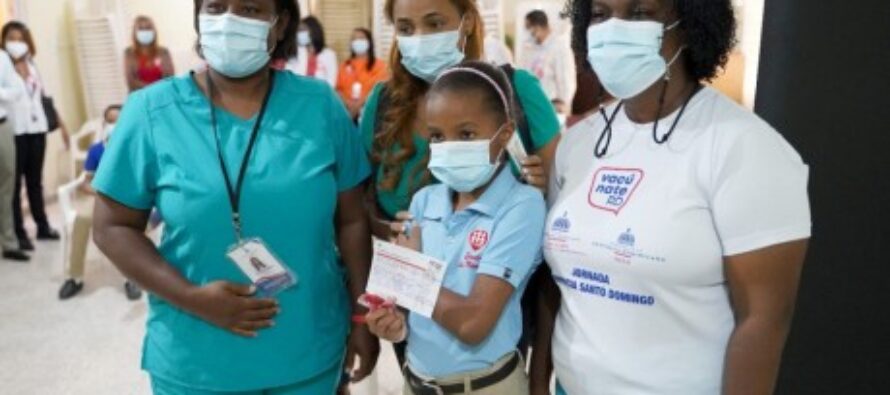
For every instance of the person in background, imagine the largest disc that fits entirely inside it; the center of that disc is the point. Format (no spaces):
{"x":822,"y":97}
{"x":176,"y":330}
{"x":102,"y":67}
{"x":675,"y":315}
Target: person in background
{"x":83,"y":222}
{"x":550,"y":58}
{"x":10,"y":91}
{"x":314,"y":58}
{"x":677,"y":273}
{"x":241,"y":158}
{"x":146,"y":62}
{"x":468,"y":346}
{"x":496,"y":51}
{"x":360,"y":73}
{"x":31,"y":128}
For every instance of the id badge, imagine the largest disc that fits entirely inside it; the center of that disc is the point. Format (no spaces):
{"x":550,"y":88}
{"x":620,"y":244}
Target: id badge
{"x":264,"y":269}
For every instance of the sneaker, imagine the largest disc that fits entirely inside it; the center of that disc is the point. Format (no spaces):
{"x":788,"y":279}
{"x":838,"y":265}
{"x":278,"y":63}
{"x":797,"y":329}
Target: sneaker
{"x":16,"y":256}
{"x":70,"y":288}
{"x":25,"y":244}
{"x":132,"y":290}
{"x":48,"y":234}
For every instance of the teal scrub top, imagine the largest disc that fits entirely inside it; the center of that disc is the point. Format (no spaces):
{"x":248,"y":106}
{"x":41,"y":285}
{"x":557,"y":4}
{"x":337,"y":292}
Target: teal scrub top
{"x":163,"y":155}
{"x":543,"y":125}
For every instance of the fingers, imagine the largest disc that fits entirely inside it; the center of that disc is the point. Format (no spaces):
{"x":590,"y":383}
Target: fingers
{"x":244,"y":333}
{"x":366,"y":366}
{"x":404,"y":216}
{"x":349,"y":362}
{"x":253,"y":326}
{"x":239,"y":289}
{"x":261,"y":314}
{"x":394,"y":328}
{"x":532,"y":161}
{"x":260,"y":304}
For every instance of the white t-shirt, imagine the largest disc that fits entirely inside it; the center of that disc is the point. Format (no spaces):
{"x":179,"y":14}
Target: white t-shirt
{"x":553,"y":62}
{"x":636,"y":242}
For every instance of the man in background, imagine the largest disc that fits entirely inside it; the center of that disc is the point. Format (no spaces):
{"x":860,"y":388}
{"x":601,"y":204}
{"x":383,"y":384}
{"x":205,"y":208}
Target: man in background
{"x":550,"y":58}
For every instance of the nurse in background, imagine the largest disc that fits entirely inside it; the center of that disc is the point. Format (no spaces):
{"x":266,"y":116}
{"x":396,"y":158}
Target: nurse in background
{"x":146,"y":62}
{"x":314,"y":59}
{"x":679,"y":220}
{"x":182,"y":146}
{"x":361,"y":72}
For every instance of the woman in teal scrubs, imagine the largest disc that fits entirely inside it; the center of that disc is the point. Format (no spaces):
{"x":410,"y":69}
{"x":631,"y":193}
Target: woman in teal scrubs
{"x":241,"y":152}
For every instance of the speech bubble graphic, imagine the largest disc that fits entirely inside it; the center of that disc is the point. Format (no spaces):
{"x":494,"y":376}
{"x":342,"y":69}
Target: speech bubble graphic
{"x":612,"y":188}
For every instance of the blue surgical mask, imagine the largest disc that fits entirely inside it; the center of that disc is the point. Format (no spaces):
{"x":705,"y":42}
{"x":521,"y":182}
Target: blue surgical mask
{"x":304,"y":39}
{"x":463,"y":166}
{"x":145,"y":37}
{"x":234,"y":46}
{"x":626,"y":55}
{"x":427,"y":56}
{"x":361,"y":47}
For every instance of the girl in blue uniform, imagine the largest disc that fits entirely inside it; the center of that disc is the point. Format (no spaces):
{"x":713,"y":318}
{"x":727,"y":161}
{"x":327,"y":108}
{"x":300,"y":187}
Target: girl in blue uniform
{"x":487,"y":226}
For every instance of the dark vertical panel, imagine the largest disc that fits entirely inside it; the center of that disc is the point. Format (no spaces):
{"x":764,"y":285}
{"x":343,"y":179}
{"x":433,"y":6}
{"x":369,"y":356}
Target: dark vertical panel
{"x":825,"y":84}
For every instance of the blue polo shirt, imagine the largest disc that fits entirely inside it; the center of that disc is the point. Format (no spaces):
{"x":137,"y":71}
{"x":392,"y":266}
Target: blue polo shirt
{"x":500,"y":235}
{"x":164,"y":155}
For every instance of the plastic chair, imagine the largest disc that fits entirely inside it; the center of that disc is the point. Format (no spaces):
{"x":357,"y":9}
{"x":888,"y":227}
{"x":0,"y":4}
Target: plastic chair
{"x":67,"y":195}
{"x":89,"y":133}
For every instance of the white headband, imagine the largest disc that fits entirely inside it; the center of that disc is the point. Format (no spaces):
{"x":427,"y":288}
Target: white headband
{"x":486,"y":78}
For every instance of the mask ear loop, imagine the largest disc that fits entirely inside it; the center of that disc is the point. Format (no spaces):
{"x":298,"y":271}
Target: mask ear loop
{"x":272,"y":26}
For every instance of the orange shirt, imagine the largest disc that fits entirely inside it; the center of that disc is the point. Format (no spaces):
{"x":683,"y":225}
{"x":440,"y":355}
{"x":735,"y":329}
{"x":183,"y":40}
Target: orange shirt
{"x":356,"y":71}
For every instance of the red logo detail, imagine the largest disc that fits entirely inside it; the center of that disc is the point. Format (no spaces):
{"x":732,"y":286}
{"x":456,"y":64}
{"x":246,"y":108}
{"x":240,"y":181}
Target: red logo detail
{"x":613,"y":187}
{"x":478,"y":239}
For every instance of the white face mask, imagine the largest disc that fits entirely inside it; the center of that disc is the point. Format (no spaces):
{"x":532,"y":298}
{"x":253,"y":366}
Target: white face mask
{"x":304,"y":39}
{"x":426,"y":56}
{"x":626,"y":55}
{"x":361,"y":46}
{"x":464,"y":165}
{"x":17,"y":49}
{"x":145,"y":36}
{"x":235,"y":46}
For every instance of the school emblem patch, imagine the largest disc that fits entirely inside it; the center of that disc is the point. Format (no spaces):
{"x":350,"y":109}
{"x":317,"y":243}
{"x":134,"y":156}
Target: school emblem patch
{"x":478,"y":239}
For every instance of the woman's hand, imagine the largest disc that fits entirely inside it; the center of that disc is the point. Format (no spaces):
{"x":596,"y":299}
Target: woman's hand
{"x":388,"y":324}
{"x":406,"y":233}
{"x":232,"y":306}
{"x":533,"y":172}
{"x":366,"y":347}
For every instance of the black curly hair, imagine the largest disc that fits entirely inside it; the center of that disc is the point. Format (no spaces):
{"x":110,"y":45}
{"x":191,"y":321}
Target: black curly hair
{"x":708,"y":27}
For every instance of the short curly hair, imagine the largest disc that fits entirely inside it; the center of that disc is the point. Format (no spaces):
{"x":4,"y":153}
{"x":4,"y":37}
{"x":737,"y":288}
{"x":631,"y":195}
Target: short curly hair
{"x":709,"y":27}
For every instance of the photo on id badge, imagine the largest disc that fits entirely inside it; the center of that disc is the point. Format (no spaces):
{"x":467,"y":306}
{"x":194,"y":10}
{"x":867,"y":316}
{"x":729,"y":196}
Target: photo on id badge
{"x":262,"y":267}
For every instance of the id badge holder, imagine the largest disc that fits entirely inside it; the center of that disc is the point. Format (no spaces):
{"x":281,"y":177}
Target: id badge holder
{"x":265,"y":270}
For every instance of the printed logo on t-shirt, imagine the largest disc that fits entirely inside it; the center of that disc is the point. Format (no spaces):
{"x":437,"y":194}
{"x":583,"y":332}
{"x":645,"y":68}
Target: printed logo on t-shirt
{"x":562,"y":224}
{"x":612,"y":188}
{"x":625,"y":250}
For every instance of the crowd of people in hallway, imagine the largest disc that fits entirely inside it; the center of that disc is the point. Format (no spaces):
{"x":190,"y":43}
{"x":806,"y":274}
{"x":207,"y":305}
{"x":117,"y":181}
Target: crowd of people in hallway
{"x":596,"y":203}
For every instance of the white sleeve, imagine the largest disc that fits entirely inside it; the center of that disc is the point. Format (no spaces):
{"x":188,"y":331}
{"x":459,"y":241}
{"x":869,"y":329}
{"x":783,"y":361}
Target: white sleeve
{"x":331,"y":66}
{"x":758,"y":189}
{"x":565,"y":75}
{"x":10,"y":85}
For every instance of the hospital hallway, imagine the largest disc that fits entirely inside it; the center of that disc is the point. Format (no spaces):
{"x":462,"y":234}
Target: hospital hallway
{"x":90,"y":344}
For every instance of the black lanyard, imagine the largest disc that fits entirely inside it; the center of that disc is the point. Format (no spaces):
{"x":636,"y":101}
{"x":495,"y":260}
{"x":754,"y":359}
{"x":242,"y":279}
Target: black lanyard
{"x":235,"y":192}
